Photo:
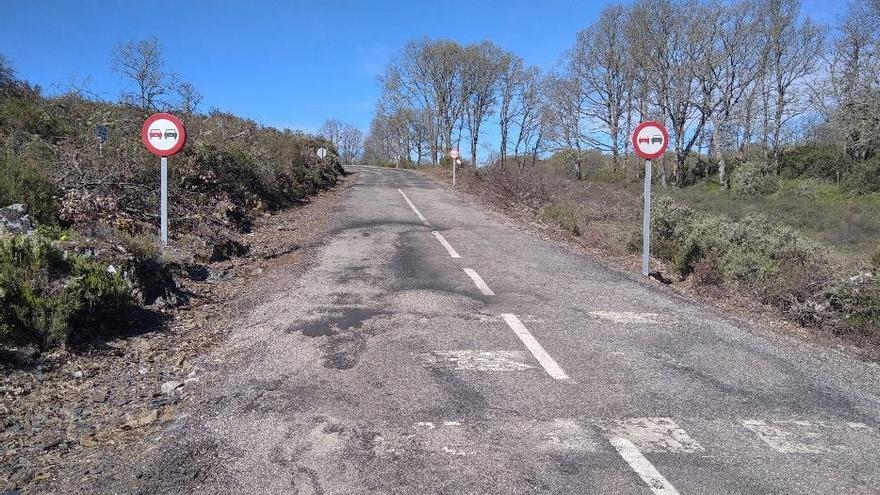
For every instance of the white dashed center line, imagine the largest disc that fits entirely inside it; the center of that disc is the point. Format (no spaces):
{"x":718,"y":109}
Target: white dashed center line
{"x":643,"y":467}
{"x":418,"y":214}
{"x":549,"y":364}
{"x":445,"y":244}
{"x":478,"y":280}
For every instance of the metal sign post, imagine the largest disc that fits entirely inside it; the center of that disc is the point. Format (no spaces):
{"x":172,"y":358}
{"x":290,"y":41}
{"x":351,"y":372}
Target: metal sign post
{"x":650,"y":140}
{"x":101,"y":133}
{"x":646,"y":223}
{"x":164,"y":135}
{"x":453,"y":153}
{"x":163,"y":201}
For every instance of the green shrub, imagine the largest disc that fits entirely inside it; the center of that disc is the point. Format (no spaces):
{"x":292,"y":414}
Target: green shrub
{"x":26,"y":114}
{"x":141,"y":246}
{"x":754,"y":179}
{"x":772,"y":261}
{"x":23,"y":183}
{"x":864,"y":177}
{"x":813,"y":160}
{"x":48,"y":297}
{"x":562,"y":216}
{"x":53,"y":232}
{"x":855,"y":306}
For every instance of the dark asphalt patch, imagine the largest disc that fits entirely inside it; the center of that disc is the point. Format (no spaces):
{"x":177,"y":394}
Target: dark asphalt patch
{"x":329,"y":325}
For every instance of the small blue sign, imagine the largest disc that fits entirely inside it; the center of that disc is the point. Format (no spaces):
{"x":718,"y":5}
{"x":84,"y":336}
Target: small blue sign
{"x":102,"y":133}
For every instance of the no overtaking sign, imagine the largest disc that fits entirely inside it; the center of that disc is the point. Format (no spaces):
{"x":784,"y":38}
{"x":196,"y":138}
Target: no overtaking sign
{"x":650,"y":140}
{"x":164,"y":135}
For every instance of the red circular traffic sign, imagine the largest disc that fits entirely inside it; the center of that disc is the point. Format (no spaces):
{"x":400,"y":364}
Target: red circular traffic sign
{"x":650,"y":140}
{"x":163,"y":134}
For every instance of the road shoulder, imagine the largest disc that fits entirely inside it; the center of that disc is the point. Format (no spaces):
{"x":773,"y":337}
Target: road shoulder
{"x":76,"y":420}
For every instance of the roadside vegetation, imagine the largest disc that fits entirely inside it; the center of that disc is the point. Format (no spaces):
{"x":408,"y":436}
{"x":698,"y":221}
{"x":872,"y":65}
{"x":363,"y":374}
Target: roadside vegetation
{"x":770,"y":190}
{"x":78,"y":255}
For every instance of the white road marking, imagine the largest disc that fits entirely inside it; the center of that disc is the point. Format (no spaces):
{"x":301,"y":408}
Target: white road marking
{"x":562,"y":435}
{"x":411,"y":205}
{"x":478,"y":280}
{"x":783,"y":441}
{"x":476,"y":360}
{"x":653,"y":435}
{"x":625,"y":316}
{"x":643,"y":467}
{"x":547,"y":362}
{"x":631,"y":438}
{"x":445,"y":244}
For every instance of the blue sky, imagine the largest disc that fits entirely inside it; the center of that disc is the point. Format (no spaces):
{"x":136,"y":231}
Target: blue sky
{"x":288,"y":64}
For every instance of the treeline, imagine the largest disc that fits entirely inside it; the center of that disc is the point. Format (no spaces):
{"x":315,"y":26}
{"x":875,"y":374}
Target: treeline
{"x":348,"y":139}
{"x":738,"y":82}
{"x":93,"y":252}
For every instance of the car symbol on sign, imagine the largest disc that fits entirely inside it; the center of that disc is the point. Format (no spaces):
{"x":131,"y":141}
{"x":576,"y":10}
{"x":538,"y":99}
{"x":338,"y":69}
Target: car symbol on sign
{"x":156,"y":133}
{"x":169,"y":133}
{"x":644,"y":140}
{"x":654,"y":140}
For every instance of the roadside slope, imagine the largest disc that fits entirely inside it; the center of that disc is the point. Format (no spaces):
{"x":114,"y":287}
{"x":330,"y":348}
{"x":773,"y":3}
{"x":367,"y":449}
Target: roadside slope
{"x":80,"y":418}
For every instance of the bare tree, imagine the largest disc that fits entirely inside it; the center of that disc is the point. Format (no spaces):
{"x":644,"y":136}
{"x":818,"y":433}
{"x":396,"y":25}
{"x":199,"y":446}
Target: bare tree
{"x":533,"y":113}
{"x":849,"y":94}
{"x":661,"y":50}
{"x":565,"y":106}
{"x":188,"y":97}
{"x":141,"y":63}
{"x":419,"y":127}
{"x":599,"y":63}
{"x":794,"y":45}
{"x":7,"y":72}
{"x":388,"y":140}
{"x":509,"y":81}
{"x":727,"y":62}
{"x":351,"y":143}
{"x":348,"y":139}
{"x":482,"y":66}
{"x":331,"y":130}
{"x":428,"y":75}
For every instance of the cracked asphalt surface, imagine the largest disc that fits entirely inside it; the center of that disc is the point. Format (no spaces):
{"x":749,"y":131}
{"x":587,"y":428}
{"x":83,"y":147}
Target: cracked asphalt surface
{"x":384,"y":369}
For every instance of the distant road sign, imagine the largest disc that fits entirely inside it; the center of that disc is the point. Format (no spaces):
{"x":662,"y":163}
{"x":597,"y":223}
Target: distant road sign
{"x":102,"y":133}
{"x":453,"y":153}
{"x":322,"y":153}
{"x":163,"y":134}
{"x":650,"y":140}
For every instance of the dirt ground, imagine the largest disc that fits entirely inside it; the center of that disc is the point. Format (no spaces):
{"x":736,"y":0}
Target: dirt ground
{"x":68,"y":415}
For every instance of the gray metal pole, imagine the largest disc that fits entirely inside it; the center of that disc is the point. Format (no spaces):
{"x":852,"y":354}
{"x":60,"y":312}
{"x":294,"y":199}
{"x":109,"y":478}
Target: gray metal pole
{"x":646,"y":224}
{"x":454,"y":162}
{"x":163,"y":208}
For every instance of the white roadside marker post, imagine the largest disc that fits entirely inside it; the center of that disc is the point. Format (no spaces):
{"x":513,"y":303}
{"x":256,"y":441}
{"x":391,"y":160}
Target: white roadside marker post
{"x":650,"y":140}
{"x":163,"y":135}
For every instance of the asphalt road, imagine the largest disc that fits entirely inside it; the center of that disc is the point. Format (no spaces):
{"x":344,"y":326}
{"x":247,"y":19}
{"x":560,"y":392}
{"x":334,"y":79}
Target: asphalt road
{"x":435,"y":349}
